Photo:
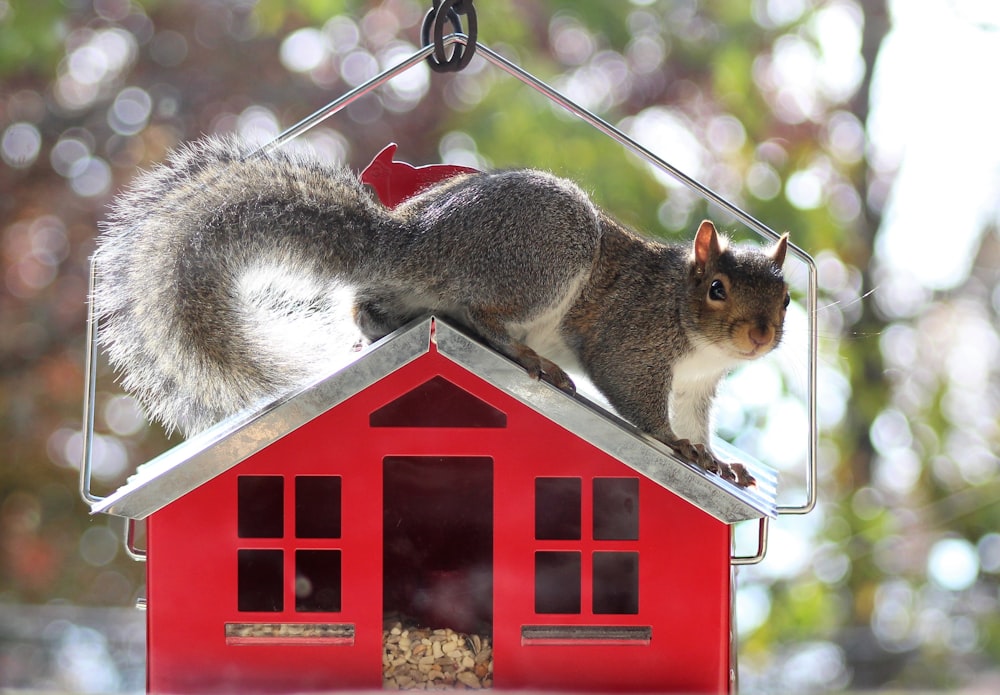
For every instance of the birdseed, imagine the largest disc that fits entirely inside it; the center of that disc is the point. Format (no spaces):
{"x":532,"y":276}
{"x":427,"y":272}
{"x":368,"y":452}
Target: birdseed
{"x":419,"y":658}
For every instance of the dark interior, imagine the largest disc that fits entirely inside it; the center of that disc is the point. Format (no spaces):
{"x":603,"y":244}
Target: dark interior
{"x":438,"y":542}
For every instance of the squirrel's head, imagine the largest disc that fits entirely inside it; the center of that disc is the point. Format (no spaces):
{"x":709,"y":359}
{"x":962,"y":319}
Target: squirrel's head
{"x":740,"y":294}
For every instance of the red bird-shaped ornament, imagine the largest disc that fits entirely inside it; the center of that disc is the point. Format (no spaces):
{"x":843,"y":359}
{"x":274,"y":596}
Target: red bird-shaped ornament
{"x":394,"y":181}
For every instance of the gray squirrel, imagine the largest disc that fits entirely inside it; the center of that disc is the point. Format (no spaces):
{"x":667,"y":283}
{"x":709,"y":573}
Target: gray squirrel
{"x":218,"y":272}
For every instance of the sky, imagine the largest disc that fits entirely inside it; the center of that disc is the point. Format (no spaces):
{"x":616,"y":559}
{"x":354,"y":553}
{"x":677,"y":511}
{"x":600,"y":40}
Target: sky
{"x":936,"y":116}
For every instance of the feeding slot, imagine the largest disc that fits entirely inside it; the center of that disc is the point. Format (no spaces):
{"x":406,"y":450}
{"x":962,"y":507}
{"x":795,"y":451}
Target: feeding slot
{"x":575,"y":635}
{"x":292,"y":634}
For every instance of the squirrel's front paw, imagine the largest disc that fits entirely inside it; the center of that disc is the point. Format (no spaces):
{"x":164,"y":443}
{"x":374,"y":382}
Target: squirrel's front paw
{"x":700,"y":455}
{"x":553,"y":373}
{"x":695,"y":453}
{"x":737,"y":473}
{"x":543,"y":369}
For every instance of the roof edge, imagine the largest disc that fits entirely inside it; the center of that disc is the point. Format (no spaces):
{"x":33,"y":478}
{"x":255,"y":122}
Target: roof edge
{"x":211,"y":452}
{"x":603,"y":429}
{"x":167,"y":477}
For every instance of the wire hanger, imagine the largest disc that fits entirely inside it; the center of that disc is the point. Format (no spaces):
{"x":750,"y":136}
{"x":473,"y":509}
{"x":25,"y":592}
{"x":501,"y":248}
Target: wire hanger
{"x":465,"y":47}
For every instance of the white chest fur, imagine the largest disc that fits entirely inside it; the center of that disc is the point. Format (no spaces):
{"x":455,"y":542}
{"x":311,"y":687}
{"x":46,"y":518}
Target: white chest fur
{"x":695,"y":377}
{"x":704,"y":365}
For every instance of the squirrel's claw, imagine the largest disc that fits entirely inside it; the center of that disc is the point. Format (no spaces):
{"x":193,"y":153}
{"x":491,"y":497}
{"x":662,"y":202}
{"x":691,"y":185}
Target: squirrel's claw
{"x":699,"y":454}
{"x":542,"y":369}
{"x":695,"y":453}
{"x":740,"y":475}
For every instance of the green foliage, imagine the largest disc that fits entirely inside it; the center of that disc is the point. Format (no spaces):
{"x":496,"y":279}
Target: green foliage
{"x":522,"y":128}
{"x":31,"y":36}
{"x":276,"y":15}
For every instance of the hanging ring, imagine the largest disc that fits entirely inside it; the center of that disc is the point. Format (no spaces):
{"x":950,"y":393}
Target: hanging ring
{"x":440,"y":12}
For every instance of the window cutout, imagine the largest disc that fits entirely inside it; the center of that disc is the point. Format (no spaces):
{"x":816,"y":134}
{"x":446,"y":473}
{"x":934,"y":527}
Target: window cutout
{"x":260,"y":506}
{"x":438,"y":403}
{"x":616,"y":509}
{"x":259,"y":580}
{"x":317,"y":506}
{"x":317,"y":580}
{"x":557,"y":582}
{"x":557,"y":508}
{"x":616,"y":583}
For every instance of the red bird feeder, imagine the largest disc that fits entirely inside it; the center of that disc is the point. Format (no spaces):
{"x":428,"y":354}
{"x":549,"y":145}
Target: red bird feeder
{"x":431,"y":516}
{"x":433,"y":484}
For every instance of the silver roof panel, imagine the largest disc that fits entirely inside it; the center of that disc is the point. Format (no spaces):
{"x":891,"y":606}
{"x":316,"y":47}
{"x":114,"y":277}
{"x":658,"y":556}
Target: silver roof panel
{"x":217,"y":449}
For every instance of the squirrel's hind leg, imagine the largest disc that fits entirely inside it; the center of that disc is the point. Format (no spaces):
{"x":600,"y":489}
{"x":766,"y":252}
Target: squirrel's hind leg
{"x":378,"y":316}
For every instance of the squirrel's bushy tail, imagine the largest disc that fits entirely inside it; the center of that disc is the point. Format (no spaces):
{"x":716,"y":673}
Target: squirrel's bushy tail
{"x":221,"y":276}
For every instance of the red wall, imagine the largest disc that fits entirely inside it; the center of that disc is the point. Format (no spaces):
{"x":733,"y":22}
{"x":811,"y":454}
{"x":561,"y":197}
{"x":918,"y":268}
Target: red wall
{"x":684,"y":589}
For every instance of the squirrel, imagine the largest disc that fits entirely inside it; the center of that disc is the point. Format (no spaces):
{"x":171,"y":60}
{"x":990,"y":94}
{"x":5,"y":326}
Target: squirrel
{"x":218,"y":272}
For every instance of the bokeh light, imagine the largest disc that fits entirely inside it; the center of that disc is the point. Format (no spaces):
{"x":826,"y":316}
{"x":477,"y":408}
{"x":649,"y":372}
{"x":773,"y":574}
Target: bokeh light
{"x":304,"y":50}
{"x":20,"y":145}
{"x":953,"y":564}
{"x":130,"y":111}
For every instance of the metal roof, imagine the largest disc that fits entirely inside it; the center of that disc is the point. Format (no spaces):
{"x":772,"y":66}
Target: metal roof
{"x":217,"y":449}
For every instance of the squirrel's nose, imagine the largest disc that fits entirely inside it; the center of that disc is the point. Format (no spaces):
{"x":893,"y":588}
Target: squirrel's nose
{"x":761,"y":335}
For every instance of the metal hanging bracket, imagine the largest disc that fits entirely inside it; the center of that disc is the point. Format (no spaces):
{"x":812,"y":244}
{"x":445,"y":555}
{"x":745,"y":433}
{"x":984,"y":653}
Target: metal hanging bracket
{"x":447,"y":11}
{"x":762,"y":530}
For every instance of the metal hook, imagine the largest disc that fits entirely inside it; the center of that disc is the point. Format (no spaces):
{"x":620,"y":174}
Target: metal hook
{"x":462,"y":52}
{"x":134,"y":551}
{"x":761,"y":546}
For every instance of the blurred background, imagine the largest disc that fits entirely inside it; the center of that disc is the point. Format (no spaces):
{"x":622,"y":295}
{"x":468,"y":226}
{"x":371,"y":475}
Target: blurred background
{"x":869,"y":129}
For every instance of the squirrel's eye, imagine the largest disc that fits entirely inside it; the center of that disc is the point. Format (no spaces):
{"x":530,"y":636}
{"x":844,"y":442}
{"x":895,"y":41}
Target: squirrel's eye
{"x":717,"y":291}
{"x":788,"y":299}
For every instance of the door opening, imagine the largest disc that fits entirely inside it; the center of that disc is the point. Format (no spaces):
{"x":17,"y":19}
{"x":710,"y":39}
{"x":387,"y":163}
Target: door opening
{"x":438,"y":542}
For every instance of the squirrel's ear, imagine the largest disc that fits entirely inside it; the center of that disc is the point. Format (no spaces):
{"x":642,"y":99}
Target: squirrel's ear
{"x":706,"y":245}
{"x":778,"y":252}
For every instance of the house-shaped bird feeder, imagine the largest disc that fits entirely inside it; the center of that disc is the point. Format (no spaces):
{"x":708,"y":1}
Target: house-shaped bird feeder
{"x":430,"y":516}
{"x":431,"y":513}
